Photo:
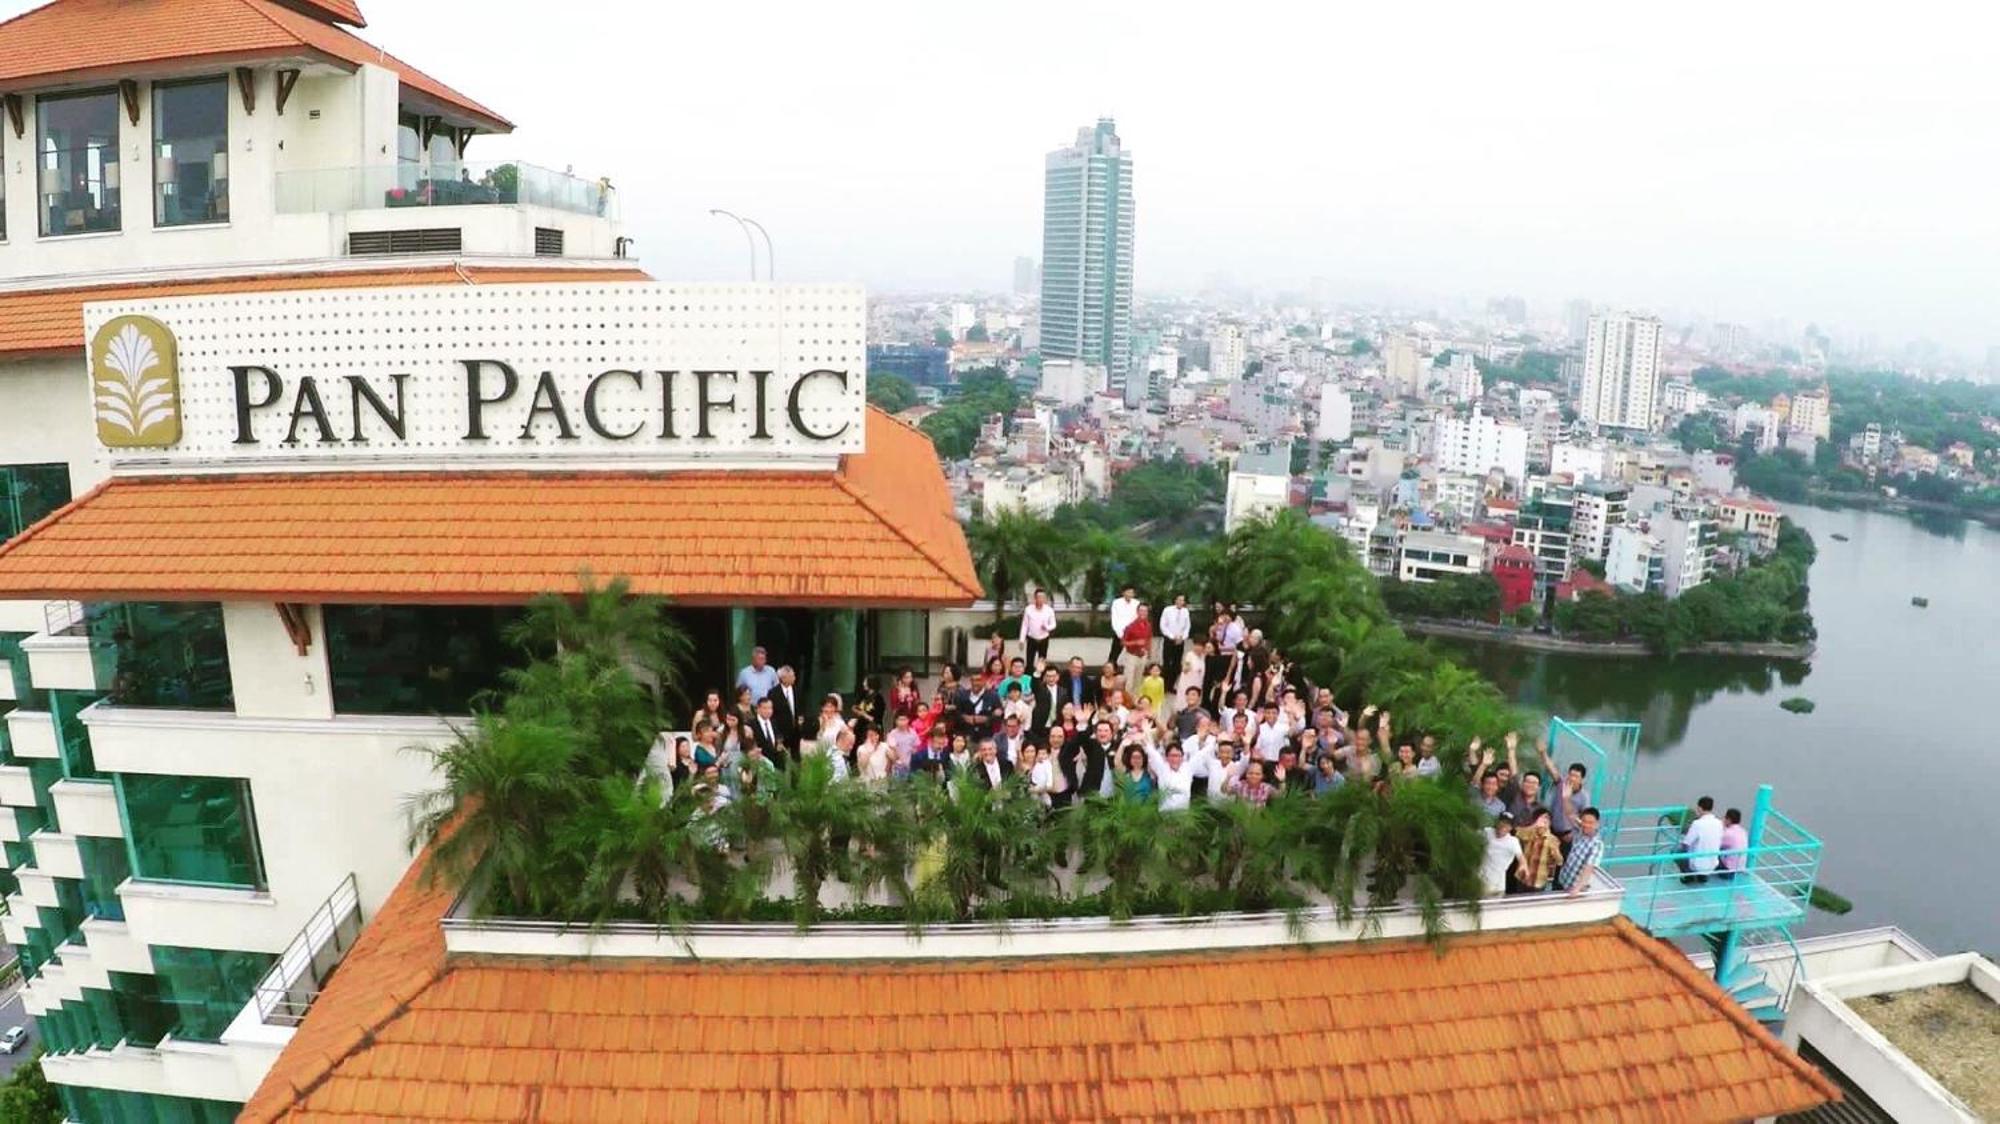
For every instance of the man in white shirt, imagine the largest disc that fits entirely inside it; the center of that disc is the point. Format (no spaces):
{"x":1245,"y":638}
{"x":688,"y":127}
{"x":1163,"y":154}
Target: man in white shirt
{"x":1175,"y":625}
{"x":1274,"y":732}
{"x":1038,"y":623}
{"x":1701,"y":842}
{"x":1124,"y":611}
{"x":1503,"y":851}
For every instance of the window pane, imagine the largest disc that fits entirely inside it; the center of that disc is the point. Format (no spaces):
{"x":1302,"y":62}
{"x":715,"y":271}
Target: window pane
{"x":192,"y":829}
{"x":207,"y":988}
{"x":105,"y":865}
{"x":416,"y":659}
{"x":409,"y":142}
{"x":169,"y":654}
{"x":190,"y":152}
{"x":28,"y":493}
{"x":78,"y":174}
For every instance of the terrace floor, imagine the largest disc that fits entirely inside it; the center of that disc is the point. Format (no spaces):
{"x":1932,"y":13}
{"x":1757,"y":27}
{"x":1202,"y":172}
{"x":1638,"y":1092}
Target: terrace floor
{"x":1668,"y":907}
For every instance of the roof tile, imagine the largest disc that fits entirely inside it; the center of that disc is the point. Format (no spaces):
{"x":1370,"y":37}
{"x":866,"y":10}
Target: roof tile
{"x":461,"y":538}
{"x":78,"y":40}
{"x":1378,"y":1031}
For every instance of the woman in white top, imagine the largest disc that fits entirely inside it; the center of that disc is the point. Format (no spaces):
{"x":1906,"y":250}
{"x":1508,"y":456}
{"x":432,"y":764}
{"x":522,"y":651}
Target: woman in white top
{"x":874,"y":757}
{"x":1041,"y":774}
{"x":831,"y":724}
{"x":1194,"y":667}
{"x":1174,"y":772}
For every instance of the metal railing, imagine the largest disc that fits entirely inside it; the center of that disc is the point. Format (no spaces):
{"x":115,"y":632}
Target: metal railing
{"x":287,"y":991}
{"x":1768,"y":884}
{"x":512,"y":183}
{"x":63,"y":618}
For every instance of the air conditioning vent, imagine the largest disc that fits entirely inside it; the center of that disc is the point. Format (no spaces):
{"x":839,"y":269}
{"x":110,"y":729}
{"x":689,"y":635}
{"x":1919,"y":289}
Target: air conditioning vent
{"x":439,"y":240}
{"x":548,"y":242}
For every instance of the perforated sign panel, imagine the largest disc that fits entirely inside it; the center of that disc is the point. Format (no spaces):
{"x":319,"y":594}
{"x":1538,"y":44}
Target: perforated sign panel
{"x":627,"y":375}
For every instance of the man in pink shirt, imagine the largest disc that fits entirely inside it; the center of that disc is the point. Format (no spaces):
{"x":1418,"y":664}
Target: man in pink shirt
{"x":1735,"y":841}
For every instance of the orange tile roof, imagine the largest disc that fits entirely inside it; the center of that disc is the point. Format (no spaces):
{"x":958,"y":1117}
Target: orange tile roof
{"x":339,"y":11}
{"x":83,"y":40}
{"x":1590,"y":1022}
{"x":40,"y":321}
{"x":877,"y":532}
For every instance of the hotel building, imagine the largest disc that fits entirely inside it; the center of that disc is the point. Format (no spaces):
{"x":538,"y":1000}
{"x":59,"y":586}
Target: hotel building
{"x":298,"y":408}
{"x":299,"y":404}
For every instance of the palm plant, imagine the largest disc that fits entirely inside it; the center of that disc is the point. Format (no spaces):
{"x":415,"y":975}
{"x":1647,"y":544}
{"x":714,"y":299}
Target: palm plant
{"x":812,"y":816}
{"x":642,"y":848}
{"x":1125,"y":838}
{"x":992,"y":847}
{"x":1250,"y":853}
{"x":1012,"y":547}
{"x":1418,"y":834}
{"x":1098,"y":556}
{"x":608,"y":624}
{"x":612,"y":716}
{"x":505,"y":784}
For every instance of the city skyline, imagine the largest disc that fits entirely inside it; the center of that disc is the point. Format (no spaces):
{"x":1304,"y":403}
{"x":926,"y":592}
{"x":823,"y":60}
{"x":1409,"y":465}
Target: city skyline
{"x":1435,"y":150}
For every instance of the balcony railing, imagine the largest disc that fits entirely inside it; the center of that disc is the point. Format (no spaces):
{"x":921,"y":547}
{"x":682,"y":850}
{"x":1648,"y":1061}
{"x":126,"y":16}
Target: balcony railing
{"x":1771,"y":890}
{"x":287,"y":991}
{"x":321,"y":190}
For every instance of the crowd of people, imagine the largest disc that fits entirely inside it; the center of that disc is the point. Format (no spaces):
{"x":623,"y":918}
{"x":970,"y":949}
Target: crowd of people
{"x":1220,"y":716}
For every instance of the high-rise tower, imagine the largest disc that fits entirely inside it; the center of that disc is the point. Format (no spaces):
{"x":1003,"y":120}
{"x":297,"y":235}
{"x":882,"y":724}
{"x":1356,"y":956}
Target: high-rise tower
{"x":1086,"y":310}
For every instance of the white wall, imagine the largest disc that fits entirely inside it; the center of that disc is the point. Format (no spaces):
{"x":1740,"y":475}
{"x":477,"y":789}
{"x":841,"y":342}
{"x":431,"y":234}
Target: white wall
{"x":328,"y":797}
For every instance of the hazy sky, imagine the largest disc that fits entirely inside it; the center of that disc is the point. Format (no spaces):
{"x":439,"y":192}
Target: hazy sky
{"x":1809,"y":160}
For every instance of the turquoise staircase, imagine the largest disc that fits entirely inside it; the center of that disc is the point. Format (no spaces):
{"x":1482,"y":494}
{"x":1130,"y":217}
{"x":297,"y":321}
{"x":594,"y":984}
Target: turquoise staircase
{"x":1756,"y":909}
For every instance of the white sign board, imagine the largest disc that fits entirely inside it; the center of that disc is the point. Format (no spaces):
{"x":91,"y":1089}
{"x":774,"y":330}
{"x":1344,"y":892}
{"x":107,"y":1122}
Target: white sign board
{"x":618,"y":375}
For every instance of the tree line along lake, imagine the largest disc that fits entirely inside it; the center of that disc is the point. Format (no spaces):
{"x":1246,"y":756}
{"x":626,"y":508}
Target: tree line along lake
{"x":1898,"y":768}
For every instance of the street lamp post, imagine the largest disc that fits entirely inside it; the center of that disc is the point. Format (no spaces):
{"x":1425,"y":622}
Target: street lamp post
{"x":770,"y":255}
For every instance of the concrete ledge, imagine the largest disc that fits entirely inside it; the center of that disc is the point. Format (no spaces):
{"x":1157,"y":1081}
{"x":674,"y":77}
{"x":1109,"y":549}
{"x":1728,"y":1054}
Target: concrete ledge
{"x":57,"y":855}
{"x":1062,"y":937}
{"x":17,"y":786}
{"x":1820,"y":1015}
{"x":67,"y":663}
{"x":88,"y":808}
{"x":33,"y":733}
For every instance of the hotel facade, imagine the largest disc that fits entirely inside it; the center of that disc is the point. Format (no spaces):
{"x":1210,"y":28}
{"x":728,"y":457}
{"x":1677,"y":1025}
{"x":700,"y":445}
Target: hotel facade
{"x":299,"y":404}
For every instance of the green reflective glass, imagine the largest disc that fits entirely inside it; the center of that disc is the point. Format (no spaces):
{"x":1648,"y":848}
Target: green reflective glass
{"x":416,"y":659}
{"x":191,"y":829}
{"x":72,"y":738}
{"x":28,"y":493}
{"x":106,"y":864}
{"x":168,"y":655}
{"x":205,"y":989}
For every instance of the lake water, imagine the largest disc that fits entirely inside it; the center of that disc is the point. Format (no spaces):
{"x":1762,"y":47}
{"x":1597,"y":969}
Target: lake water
{"x":1897,"y":770}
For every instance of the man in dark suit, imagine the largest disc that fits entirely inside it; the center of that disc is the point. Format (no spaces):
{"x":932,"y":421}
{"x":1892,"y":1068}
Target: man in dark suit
{"x":1079,"y":686}
{"x":784,"y":699}
{"x":1083,"y":761}
{"x":977,"y":706}
{"x":1010,"y":739}
{"x":989,"y":769}
{"x":763,"y":730}
{"x":1049,"y":699}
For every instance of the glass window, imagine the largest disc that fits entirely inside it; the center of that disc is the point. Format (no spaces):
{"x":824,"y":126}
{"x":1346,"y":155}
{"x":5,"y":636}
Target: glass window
{"x":190,"y":152}
{"x":77,"y":168}
{"x":169,"y":654}
{"x":105,"y":865}
{"x":72,"y":737}
{"x":28,"y":493}
{"x":191,"y":829}
{"x":205,"y":989}
{"x":416,"y":659}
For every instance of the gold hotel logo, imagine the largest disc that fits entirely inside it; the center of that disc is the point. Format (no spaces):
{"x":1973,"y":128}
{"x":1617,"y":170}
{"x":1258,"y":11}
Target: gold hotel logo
{"x":135,"y":380}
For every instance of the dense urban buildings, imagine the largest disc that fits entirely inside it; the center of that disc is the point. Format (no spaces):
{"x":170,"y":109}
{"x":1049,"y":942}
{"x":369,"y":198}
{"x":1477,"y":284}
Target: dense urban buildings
{"x":1087,"y":214}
